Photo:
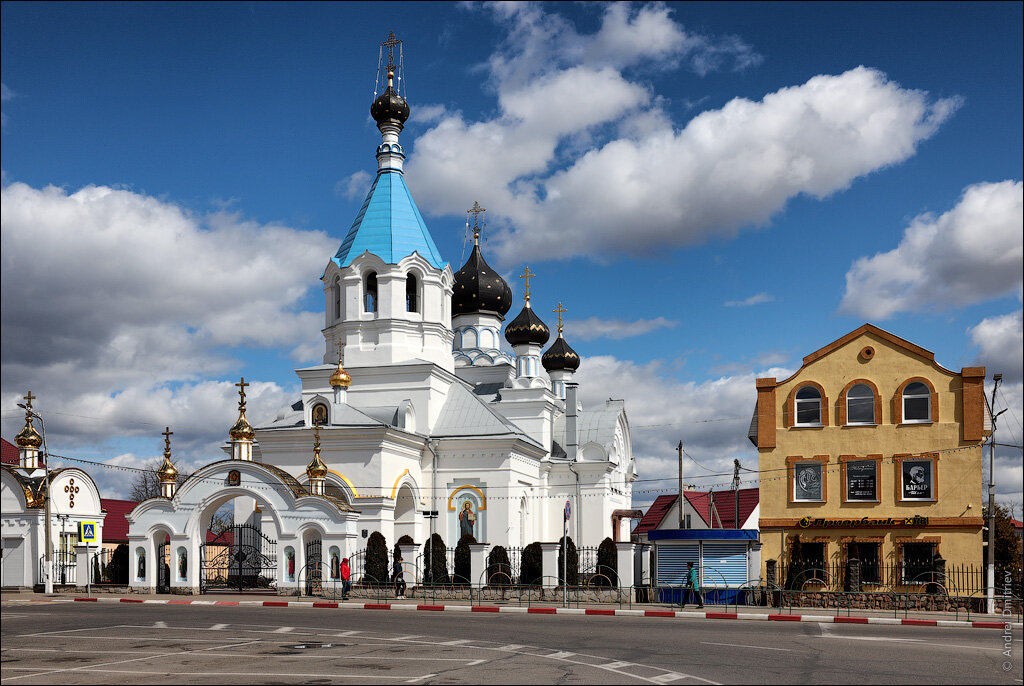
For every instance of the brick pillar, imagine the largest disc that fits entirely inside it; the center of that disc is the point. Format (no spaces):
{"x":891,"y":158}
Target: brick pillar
{"x":771,"y":572}
{"x":853,"y":575}
{"x":939,"y":576}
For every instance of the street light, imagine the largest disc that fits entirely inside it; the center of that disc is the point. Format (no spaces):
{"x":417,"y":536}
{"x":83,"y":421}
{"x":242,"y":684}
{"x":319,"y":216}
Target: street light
{"x":48,"y":566}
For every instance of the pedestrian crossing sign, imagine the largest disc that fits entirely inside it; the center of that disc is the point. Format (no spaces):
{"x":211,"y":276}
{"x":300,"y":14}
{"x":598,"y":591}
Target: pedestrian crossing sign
{"x":86,"y":532}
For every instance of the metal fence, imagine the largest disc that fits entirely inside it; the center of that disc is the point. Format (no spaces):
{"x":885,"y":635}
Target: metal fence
{"x":65,"y":567}
{"x":961,"y":579}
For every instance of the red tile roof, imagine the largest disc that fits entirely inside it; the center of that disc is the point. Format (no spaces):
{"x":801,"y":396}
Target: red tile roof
{"x":700,"y":501}
{"x":9,"y":452}
{"x":655,"y":513}
{"x":115,"y":526}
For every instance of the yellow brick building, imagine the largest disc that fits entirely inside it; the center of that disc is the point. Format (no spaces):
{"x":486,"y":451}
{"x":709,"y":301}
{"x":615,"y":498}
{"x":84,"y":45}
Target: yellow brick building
{"x":872,"y":450}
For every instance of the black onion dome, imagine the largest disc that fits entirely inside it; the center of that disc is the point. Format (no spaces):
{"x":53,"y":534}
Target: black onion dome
{"x":527,"y":328}
{"x":389,"y":106}
{"x":560,"y":357}
{"x":478,"y":288}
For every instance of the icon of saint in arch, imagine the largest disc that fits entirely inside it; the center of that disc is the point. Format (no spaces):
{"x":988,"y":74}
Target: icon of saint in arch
{"x":467,"y":519}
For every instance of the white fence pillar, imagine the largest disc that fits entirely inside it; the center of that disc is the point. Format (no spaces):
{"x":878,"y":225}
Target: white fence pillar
{"x":409,"y":571}
{"x":83,"y":564}
{"x":624,"y":563}
{"x":549,"y":561}
{"x":478,"y":562}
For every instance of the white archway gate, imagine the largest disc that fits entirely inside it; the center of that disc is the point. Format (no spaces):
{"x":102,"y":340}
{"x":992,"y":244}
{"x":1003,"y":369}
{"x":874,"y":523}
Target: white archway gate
{"x":249,"y":558}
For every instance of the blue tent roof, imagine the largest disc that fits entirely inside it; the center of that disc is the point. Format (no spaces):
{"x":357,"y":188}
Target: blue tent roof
{"x":389,"y":225}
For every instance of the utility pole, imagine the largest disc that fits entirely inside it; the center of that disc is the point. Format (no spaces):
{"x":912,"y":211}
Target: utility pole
{"x":680,"y":449}
{"x":991,"y":580}
{"x":736,"y":490}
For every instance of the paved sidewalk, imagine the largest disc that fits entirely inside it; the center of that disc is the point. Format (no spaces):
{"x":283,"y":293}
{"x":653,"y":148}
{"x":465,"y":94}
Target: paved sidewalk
{"x":732,"y":612}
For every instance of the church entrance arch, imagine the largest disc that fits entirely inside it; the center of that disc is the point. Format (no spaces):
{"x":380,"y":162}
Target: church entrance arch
{"x":263,"y":554}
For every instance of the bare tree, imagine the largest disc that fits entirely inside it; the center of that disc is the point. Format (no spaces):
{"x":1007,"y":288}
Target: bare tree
{"x":146,"y":483}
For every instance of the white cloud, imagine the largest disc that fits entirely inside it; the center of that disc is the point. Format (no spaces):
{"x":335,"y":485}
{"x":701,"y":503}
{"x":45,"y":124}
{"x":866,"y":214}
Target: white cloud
{"x":711,"y":418}
{"x":615,"y":329}
{"x":752,"y":300}
{"x":1000,"y":341}
{"x":116,"y":307}
{"x":558,"y":182}
{"x":354,"y":186}
{"x":967,"y":255}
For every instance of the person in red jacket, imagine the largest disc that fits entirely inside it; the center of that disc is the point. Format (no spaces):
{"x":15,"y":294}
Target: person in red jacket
{"x":346,"y":575}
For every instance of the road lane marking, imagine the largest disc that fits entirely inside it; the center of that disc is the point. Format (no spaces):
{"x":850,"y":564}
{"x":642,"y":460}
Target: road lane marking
{"x":739,"y":645}
{"x":284,"y":630}
{"x":318,"y":675}
{"x":218,"y":627}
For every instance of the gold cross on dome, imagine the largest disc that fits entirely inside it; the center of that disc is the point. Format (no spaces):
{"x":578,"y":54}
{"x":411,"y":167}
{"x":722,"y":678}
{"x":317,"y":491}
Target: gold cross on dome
{"x":341,"y":350}
{"x":241,"y":392}
{"x":390,"y":44}
{"x":28,"y":400}
{"x":316,"y":438}
{"x":476,"y":211}
{"x":560,"y":309}
{"x":167,"y":440}
{"x":527,"y":275}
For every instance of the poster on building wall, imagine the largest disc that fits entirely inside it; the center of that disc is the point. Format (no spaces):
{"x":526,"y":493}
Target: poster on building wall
{"x":807,"y":481}
{"x":917,"y":479}
{"x":861,"y":480}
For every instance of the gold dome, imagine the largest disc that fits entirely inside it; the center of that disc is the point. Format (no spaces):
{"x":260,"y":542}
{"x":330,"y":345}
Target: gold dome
{"x":167,"y":472}
{"x":340,"y":378}
{"x":28,"y":437}
{"x":242,"y":430}
{"x":316,"y":469}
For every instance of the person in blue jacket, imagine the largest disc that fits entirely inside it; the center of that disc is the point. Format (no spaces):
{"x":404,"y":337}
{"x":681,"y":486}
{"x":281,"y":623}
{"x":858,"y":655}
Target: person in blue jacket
{"x":692,"y":586}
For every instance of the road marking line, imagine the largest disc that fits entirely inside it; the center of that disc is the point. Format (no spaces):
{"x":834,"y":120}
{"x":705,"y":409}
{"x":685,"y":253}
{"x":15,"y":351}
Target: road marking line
{"x":738,"y":645}
{"x":284,"y":630}
{"x":419,"y":678}
{"x":619,"y":664}
{"x":160,"y":625}
{"x":561,"y":655}
{"x":671,"y":676}
{"x":512,"y":647}
{"x":95,"y":668}
{"x":218,"y":627}
{"x":457,"y":642}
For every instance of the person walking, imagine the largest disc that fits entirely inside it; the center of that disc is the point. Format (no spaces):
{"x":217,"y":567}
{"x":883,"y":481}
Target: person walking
{"x":399,"y":578}
{"x":346,"y":576}
{"x":692,"y":586}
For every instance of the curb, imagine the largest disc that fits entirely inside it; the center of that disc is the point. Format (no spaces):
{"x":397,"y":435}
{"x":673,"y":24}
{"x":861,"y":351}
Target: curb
{"x":602,"y":612}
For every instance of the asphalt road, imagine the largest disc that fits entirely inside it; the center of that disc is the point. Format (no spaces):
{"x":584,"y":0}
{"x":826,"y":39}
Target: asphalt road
{"x":85,"y":643}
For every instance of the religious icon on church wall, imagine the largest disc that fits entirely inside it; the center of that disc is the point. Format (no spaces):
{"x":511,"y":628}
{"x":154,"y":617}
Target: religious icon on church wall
{"x":289,"y":556}
{"x":142,"y":565}
{"x":234,"y":477}
{"x":467,"y":519}
{"x":182,"y":564}
{"x":335,"y":566}
{"x":319,"y":414}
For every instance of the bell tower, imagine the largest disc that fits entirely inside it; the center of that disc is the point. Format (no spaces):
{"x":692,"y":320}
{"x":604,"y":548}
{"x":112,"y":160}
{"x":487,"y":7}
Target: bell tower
{"x":387,"y":291}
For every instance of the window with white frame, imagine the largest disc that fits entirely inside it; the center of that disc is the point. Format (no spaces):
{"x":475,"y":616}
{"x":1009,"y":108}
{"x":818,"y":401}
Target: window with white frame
{"x":917,"y":403}
{"x":860,"y":405}
{"x":808,"y":406}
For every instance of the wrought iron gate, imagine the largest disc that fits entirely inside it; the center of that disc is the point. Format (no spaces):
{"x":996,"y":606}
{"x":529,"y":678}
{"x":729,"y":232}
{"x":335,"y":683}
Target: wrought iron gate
{"x":163,"y":568}
{"x":239,"y":558}
{"x":314,"y":568}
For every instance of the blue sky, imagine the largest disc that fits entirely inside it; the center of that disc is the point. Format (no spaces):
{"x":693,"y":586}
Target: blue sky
{"x":695,"y":182}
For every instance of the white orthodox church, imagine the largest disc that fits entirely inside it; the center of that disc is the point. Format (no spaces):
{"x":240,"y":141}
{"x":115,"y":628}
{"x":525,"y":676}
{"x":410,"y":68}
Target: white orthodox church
{"x":428,"y":413}
{"x":426,"y":426}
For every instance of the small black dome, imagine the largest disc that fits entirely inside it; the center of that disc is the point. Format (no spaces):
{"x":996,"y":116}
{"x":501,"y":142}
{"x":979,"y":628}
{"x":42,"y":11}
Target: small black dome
{"x":527,"y":328}
{"x":560,"y":357}
{"x":478,"y":288}
{"x":389,"y":106}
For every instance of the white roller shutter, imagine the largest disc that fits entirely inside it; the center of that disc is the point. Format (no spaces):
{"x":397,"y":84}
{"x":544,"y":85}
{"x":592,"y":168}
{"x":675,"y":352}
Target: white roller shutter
{"x":724,"y":565}
{"x":672,"y":561}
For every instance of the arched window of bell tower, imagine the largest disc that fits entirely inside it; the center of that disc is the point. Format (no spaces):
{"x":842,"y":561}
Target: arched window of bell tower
{"x":370,"y":293}
{"x":411,"y":294}
{"x":336,"y":297}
